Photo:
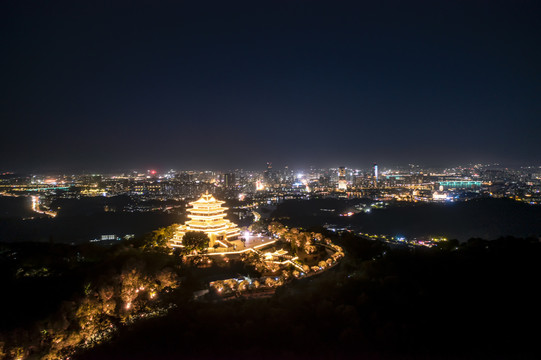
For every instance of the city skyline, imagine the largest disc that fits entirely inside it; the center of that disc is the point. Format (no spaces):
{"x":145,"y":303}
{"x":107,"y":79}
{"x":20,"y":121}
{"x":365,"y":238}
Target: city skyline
{"x":224,"y":86}
{"x":261,"y":167}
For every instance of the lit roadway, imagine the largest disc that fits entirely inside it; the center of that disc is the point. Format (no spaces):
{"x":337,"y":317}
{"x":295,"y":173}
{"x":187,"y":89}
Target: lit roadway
{"x":36,"y":207}
{"x":254,"y":240}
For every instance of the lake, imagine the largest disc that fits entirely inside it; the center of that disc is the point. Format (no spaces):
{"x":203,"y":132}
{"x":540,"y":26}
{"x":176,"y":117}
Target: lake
{"x":484,"y":218}
{"x":78,"y":221}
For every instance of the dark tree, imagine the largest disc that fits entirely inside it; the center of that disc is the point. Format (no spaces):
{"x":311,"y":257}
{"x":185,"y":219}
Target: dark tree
{"x":160,"y":237}
{"x":195,"y":240}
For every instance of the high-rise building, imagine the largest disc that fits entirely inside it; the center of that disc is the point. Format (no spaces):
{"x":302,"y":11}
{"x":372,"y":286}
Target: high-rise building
{"x":229,"y":180}
{"x":269,"y":176}
{"x":287,"y":174}
{"x":376,"y":175}
{"x":342,"y":183}
{"x":325,"y":180}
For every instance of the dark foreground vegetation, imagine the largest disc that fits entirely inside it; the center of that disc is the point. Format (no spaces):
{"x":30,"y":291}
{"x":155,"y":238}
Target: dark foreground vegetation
{"x":474,"y":300}
{"x":60,"y":299}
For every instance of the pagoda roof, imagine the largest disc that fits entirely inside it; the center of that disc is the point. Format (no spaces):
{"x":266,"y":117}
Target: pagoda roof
{"x":207,"y":199}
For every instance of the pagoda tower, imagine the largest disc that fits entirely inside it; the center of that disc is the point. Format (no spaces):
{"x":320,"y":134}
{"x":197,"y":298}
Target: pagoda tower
{"x":208,"y":215}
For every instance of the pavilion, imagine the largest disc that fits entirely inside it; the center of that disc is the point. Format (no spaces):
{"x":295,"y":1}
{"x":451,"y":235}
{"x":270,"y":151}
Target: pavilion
{"x":208,"y":215}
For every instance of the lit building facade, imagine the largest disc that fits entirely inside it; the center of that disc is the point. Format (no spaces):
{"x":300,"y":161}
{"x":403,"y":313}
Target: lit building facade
{"x":376,"y":175}
{"x":208,"y":215}
{"x":342,"y":183}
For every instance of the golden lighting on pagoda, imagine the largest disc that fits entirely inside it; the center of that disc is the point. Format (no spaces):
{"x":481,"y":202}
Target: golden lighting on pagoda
{"x":208,"y":215}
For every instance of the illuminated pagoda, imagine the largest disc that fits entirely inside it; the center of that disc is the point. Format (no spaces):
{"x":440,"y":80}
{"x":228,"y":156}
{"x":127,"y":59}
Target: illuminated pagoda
{"x":208,"y":215}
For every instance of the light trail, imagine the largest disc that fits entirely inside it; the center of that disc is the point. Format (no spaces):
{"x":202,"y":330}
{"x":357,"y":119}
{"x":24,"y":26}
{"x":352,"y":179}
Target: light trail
{"x":35,"y":207}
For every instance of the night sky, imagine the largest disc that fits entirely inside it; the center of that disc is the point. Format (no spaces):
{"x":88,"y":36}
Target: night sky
{"x":110,"y":86}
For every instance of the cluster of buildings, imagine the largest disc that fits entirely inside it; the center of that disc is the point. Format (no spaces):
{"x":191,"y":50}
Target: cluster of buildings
{"x":271,"y":185}
{"x":414,"y":183}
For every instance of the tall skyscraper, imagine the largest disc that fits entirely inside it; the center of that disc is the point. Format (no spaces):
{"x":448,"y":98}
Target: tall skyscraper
{"x":267,"y":173}
{"x":229,"y":180}
{"x":342,"y":183}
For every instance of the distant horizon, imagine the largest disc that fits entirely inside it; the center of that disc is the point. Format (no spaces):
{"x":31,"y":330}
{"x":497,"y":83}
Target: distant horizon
{"x":163,"y":170}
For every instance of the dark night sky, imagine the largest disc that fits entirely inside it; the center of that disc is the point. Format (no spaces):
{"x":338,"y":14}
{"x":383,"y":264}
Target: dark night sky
{"x":225,"y":84}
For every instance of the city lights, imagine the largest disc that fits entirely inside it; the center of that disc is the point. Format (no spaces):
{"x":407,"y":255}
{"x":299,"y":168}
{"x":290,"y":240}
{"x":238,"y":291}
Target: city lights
{"x":270,"y":180}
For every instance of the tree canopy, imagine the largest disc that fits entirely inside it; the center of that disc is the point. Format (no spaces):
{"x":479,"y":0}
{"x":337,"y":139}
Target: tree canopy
{"x":195,"y":241}
{"x":160,"y":237}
